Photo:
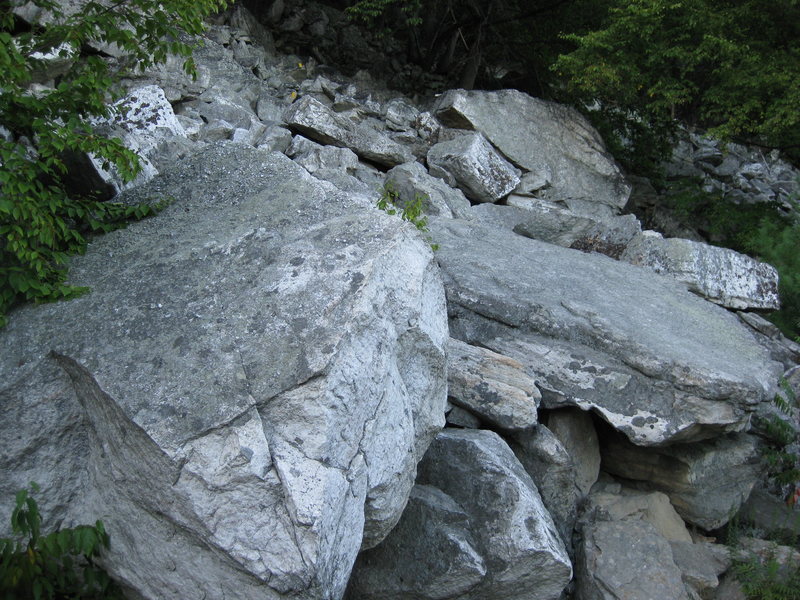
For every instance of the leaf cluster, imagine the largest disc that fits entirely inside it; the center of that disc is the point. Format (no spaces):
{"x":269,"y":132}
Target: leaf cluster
{"x":58,"y":565}
{"x":732,"y":67}
{"x":53,"y":85}
{"x":412,"y":212}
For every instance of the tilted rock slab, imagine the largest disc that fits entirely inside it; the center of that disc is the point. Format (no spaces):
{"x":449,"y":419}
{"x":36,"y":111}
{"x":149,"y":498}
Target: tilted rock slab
{"x":316,"y":121}
{"x":493,"y":386}
{"x":707,"y":482}
{"x":245,"y":393}
{"x":541,"y":137}
{"x":655,"y":361}
{"x":485,"y":534}
{"x":722,"y":275}
{"x":469,"y":163}
{"x":412,"y":180}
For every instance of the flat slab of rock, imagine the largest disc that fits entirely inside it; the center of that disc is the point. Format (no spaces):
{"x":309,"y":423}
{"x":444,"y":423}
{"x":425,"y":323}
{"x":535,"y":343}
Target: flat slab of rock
{"x":721,"y":275}
{"x":541,"y":137}
{"x":652,"y":359}
{"x":316,"y":121}
{"x":706,"y":481}
{"x":493,"y":386}
{"x":498,"y":539}
{"x":246,"y":390}
{"x":469,"y":163}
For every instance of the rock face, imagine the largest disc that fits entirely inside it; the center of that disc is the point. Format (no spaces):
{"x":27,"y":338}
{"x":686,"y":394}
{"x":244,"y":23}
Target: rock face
{"x":707,"y":482}
{"x":313,"y":119}
{"x":235,"y":378}
{"x":723,"y":276}
{"x":617,"y":356}
{"x":492,"y":386}
{"x":471,"y":164}
{"x":543,"y":138}
{"x":246,"y":396}
{"x":498,"y":540}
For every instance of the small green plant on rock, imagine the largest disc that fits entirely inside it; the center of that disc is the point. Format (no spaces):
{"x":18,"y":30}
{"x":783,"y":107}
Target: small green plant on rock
{"x":56,"y":566}
{"x":413,"y":212}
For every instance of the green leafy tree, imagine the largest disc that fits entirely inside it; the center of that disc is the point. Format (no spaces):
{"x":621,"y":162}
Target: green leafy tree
{"x":731,"y":66}
{"x":43,"y":122}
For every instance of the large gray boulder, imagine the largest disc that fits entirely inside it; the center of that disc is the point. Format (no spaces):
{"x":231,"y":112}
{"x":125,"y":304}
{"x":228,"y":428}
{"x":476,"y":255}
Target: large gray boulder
{"x":495,"y":538}
{"x":601,"y":334}
{"x":412,"y":180}
{"x":316,"y":121}
{"x":541,"y":137}
{"x":245,"y":393}
{"x":723,"y":276}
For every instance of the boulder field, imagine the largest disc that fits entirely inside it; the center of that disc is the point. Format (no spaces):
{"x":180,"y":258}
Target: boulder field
{"x":276,"y":390}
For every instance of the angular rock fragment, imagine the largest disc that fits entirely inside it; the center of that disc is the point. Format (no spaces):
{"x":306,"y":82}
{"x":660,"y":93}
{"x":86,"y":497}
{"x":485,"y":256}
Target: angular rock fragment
{"x":316,"y":121}
{"x":575,"y":430}
{"x":541,"y":137}
{"x":701,"y":565}
{"x":314,"y":157}
{"x":492,"y":386}
{"x":431,"y":553}
{"x":412,"y":181}
{"x":225,"y":425}
{"x":554,"y":473}
{"x":507,"y":533}
{"x":600,"y":334}
{"x":721,"y":275}
{"x":626,"y":559}
{"x":471,"y":164}
{"x":706,"y":481}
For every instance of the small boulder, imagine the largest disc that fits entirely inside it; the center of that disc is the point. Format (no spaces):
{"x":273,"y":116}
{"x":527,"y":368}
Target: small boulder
{"x":471,"y":164}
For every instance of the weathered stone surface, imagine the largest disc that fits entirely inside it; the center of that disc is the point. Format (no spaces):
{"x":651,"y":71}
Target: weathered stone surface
{"x":469,"y":163}
{"x":600,"y":334}
{"x":461,"y":417}
{"x":769,"y":514}
{"x":412,"y":180}
{"x":575,"y":430}
{"x":513,"y":534}
{"x":626,"y":559}
{"x":541,"y":137}
{"x":706,"y":481}
{"x":314,"y":157}
{"x":314,"y":120}
{"x":491,"y":385}
{"x":554,"y":473}
{"x":540,"y":220}
{"x":431,"y":553}
{"x":620,"y":503}
{"x":701,"y":564}
{"x":723,"y":276}
{"x":244,"y":394}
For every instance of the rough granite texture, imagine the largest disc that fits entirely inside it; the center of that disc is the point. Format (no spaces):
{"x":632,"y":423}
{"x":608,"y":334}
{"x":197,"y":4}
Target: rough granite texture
{"x":246,"y":391}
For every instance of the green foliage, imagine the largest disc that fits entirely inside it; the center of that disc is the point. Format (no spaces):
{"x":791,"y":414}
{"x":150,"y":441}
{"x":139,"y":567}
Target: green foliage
{"x":59,"y":565}
{"x":733,"y":67}
{"x":760,"y":230}
{"x":783,"y":466}
{"x":43,"y":122}
{"x":413,"y":212}
{"x":370,"y":10}
{"x":767,"y":580}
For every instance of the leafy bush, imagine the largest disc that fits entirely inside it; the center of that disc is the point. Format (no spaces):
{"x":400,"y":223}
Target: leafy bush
{"x":54,"y":566}
{"x":43,"y":122}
